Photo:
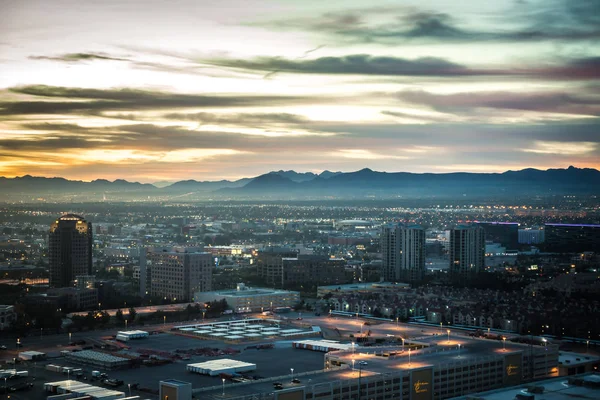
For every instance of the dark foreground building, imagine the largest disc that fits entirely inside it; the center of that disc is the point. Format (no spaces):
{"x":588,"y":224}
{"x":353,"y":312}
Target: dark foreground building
{"x":572,"y":238}
{"x":70,"y":249}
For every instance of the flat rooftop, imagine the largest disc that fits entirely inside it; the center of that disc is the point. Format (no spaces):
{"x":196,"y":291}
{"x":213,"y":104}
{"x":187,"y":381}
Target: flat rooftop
{"x":440,"y":351}
{"x":249,"y":292}
{"x":554,"y":389}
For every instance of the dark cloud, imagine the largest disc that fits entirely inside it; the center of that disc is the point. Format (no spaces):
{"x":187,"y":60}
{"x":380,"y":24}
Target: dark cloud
{"x":567,"y":20}
{"x":363,"y":64}
{"x":149,"y":137}
{"x":359,"y":64}
{"x":245,"y":119}
{"x":554,"y":102}
{"x":98,"y":100}
{"x":76,"y":57}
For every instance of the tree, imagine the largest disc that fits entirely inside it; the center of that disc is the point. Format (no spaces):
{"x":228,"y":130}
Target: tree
{"x":119,"y":316}
{"x":132,"y":314}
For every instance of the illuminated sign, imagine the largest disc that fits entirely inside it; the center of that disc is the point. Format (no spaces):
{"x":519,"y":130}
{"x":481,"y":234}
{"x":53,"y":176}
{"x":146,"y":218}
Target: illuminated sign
{"x":420,"y":386}
{"x":512,"y":369}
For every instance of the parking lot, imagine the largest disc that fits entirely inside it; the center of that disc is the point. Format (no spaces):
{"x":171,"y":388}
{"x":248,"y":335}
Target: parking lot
{"x":269,"y":363}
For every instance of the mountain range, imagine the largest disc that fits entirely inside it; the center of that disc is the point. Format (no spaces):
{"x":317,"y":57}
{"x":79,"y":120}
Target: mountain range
{"x":364,"y":183}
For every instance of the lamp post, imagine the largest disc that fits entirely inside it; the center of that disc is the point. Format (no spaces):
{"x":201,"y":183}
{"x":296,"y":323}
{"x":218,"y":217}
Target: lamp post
{"x":292,"y":369}
{"x":441,"y":332}
{"x":223,"y":387}
{"x":125,"y":324}
{"x":352,"y":347}
{"x":70,"y":341}
{"x":503,"y":343}
{"x":545,"y":355}
{"x":129,"y":386}
{"x":459,"y":350}
{"x":402,"y":344}
{"x":164,"y":320}
{"x":408,"y":358}
{"x":587,"y":346}
{"x":397,"y":322}
{"x":448,"y":335}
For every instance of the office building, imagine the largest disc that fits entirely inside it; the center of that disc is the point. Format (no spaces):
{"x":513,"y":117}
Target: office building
{"x":531,"y":236}
{"x":72,"y":298}
{"x":504,"y":233}
{"x":466,"y":252}
{"x":403,"y":253}
{"x":308,"y":268}
{"x":177,"y":273}
{"x":269,"y":263}
{"x":572,"y":238}
{"x":69,"y":249}
{"x":247,"y":299}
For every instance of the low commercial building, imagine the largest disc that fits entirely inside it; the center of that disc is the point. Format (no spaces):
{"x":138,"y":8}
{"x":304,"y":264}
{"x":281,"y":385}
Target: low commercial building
{"x":82,"y":390}
{"x":7,"y":316}
{"x":576,"y":363}
{"x":247,"y":299}
{"x":221,"y":366}
{"x":436,"y":367}
{"x":97,"y":359}
{"x":125,"y":336}
{"x":172,"y":389}
{"x":369,"y":287}
{"x":586,"y":386}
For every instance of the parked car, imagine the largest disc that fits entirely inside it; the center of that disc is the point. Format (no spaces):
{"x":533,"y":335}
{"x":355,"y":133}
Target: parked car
{"x":295,"y":380}
{"x":3,"y":347}
{"x":363,"y":363}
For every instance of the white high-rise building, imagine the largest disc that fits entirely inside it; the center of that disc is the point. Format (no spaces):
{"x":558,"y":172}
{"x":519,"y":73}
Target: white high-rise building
{"x":403,"y":252}
{"x":179,"y":272}
{"x":466,"y":252}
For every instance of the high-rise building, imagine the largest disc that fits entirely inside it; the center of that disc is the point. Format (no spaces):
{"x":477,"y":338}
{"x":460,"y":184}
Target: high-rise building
{"x":177,"y":273}
{"x":505,"y":233}
{"x":572,"y":238}
{"x":467,"y":252}
{"x":403,"y":252}
{"x":69,"y":249}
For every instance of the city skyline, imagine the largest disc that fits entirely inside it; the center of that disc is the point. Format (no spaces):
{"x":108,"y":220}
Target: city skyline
{"x":166,"y":91}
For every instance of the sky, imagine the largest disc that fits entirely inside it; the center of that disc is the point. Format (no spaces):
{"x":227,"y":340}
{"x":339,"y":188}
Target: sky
{"x":168,"y":90}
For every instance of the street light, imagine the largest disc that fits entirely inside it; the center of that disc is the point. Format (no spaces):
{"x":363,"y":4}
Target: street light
{"x":441,"y":332}
{"x":448,"y":335}
{"x":353,"y":364}
{"x":164,"y":320}
{"x":503,"y":343}
{"x":223,"y":387}
{"x":459,"y":350}
{"x":587,"y":346}
{"x":352,"y":347}
{"x":409,"y":358}
{"x":129,"y":386}
{"x":292,"y":369}
{"x":70,"y":338}
{"x":125,"y":324}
